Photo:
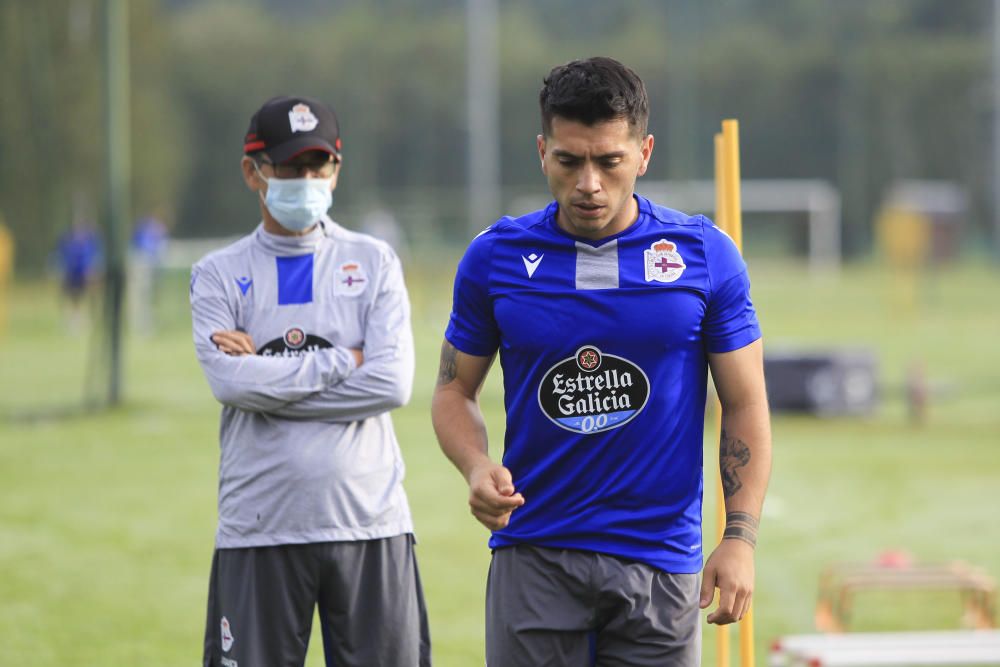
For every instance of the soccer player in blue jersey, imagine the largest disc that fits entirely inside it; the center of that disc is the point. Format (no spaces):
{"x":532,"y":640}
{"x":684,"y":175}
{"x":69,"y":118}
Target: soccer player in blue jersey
{"x":607,"y":311}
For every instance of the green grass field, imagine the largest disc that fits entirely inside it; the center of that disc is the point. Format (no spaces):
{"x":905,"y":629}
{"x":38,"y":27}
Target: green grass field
{"x":107,"y":519}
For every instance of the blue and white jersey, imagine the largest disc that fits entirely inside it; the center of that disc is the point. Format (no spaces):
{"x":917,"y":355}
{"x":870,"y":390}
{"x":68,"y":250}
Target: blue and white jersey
{"x":604,"y":349}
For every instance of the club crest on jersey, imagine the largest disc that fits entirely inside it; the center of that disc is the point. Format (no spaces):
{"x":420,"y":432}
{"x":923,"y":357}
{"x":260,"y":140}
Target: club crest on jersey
{"x":592,"y":392}
{"x":351,"y":279}
{"x":663,"y":263}
{"x":302,"y":119}
{"x":227,"y":634}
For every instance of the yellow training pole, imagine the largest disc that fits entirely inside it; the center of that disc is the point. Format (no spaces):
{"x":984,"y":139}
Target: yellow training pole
{"x":746,"y":639}
{"x":734,"y":227}
{"x":720,"y":206}
{"x":721,"y":631}
{"x":731,"y":179}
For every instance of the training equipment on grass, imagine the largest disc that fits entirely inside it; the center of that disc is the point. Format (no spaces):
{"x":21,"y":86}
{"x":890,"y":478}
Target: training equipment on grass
{"x":885,"y":649}
{"x":841,"y":583}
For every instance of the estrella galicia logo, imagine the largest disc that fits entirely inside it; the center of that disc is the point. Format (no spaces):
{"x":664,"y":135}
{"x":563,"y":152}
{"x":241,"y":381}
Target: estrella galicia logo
{"x":592,"y":392}
{"x":294,"y":343}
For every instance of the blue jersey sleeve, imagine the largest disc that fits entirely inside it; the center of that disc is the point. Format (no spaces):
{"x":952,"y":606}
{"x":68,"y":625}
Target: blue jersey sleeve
{"x":472,"y":327}
{"x":730,"y":320}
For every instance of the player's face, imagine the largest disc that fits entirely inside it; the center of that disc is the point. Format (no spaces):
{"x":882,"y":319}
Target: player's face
{"x":591,"y":171}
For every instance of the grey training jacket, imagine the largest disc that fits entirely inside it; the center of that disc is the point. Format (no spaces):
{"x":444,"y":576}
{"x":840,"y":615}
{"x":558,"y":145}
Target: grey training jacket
{"x":308,"y":451}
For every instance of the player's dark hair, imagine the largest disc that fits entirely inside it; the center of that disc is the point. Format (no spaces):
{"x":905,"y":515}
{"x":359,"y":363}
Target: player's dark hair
{"x":592,"y":91}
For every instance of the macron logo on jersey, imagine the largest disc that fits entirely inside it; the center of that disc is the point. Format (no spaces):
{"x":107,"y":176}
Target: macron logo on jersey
{"x":244,"y":284}
{"x":531,"y":263}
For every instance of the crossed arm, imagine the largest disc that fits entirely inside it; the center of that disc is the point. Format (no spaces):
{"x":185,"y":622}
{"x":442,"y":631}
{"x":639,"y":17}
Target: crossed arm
{"x":335,"y":384}
{"x":376,"y":384}
{"x":237,"y":343}
{"x":745,"y":464}
{"x":461,"y":432}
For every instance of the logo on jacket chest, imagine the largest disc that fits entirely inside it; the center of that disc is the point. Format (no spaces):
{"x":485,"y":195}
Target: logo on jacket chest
{"x":592,"y":392}
{"x":351,"y":279}
{"x":294,"y":343}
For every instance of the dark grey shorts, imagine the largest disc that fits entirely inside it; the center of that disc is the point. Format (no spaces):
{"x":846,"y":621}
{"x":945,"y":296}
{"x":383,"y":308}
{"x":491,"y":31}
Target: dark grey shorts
{"x":563,"y":608}
{"x":371,"y":605}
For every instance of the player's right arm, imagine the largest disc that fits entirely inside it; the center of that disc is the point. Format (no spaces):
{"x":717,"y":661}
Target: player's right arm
{"x":461,"y":432}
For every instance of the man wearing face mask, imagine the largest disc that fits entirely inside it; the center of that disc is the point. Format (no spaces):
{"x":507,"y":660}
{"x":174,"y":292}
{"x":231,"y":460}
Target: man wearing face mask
{"x":303,"y":331}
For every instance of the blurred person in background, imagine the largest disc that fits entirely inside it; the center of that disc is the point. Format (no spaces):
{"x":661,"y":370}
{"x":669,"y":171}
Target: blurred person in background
{"x":607,"y":311}
{"x":148,"y":244}
{"x":79,"y":256}
{"x":303,"y":331}
{"x":382,"y":224}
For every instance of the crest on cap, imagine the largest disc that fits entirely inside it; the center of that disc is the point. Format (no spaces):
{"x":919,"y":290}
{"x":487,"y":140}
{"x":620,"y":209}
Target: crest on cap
{"x":302,"y":119}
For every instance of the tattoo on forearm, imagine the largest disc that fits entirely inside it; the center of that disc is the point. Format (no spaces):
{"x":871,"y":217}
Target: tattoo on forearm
{"x":740,"y":533}
{"x":733,"y":454}
{"x":741,"y":526}
{"x":745,"y":518}
{"x":447,"y":371}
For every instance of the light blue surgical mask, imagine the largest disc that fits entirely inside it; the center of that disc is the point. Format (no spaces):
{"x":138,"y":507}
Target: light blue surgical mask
{"x":298,"y":203}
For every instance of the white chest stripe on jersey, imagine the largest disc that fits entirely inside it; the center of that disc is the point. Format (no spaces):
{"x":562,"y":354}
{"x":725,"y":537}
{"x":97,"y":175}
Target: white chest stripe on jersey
{"x":597,"y":268}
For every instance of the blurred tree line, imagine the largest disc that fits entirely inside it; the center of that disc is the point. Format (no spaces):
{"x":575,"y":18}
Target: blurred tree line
{"x":859,"y":93}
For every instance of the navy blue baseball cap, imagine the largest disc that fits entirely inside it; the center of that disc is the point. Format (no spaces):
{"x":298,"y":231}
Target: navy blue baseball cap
{"x":288,"y":126}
